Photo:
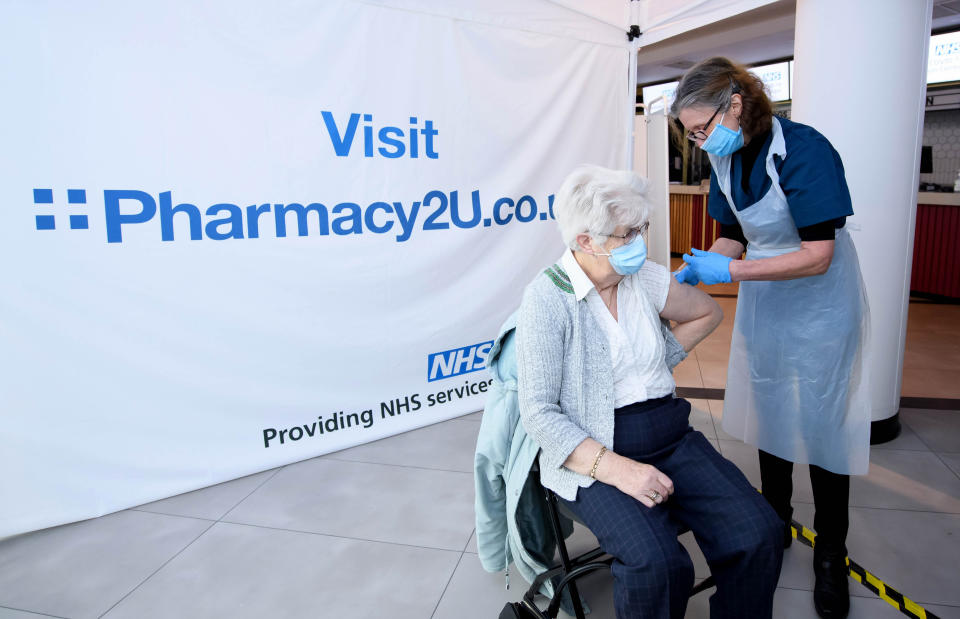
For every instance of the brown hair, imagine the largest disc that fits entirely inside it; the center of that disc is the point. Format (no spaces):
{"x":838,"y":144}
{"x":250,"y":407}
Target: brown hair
{"x":712,"y":82}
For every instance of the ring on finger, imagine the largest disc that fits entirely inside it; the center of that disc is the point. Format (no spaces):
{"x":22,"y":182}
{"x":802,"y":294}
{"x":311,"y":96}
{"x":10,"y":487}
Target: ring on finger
{"x":655,"y":496}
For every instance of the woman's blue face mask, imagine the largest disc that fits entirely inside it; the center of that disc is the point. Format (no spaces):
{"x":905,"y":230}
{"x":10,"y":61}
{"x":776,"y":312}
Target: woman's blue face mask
{"x":628,"y":259}
{"x":723,"y":141}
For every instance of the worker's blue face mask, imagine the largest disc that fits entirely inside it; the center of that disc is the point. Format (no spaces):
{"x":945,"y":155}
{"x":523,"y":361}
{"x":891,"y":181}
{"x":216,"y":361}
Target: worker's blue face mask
{"x":627,"y":259}
{"x":723,"y":141}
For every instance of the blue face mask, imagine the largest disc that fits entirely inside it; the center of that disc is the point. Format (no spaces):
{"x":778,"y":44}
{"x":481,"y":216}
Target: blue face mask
{"x":627,"y":259}
{"x":723,"y":141}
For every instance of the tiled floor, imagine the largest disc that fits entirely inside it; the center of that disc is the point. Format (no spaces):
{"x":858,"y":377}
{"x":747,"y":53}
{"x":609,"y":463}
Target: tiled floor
{"x":386,"y":529}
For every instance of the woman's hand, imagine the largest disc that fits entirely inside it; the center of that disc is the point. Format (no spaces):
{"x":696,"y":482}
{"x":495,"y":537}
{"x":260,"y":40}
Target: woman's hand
{"x":644,"y":482}
{"x":686,"y":275}
{"x":708,"y":267}
{"x":723,"y":246}
{"x":641,"y":481}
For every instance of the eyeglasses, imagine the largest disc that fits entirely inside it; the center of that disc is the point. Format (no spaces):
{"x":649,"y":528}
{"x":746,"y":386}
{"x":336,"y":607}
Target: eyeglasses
{"x":700,"y":134}
{"x":631,"y":234}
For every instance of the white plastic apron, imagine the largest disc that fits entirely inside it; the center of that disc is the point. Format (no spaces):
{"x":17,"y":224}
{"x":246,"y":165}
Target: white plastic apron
{"x":796,"y":383}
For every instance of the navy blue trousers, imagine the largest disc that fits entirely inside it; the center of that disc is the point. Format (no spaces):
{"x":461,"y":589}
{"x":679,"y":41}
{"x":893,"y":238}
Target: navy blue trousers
{"x":739,"y":533}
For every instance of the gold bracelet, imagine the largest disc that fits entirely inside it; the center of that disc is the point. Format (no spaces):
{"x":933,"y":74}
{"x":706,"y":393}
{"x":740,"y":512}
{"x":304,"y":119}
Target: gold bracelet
{"x":596,"y":462}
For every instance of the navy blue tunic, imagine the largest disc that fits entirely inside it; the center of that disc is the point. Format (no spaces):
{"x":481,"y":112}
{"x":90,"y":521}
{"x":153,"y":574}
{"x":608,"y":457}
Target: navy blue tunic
{"x":811,"y":176}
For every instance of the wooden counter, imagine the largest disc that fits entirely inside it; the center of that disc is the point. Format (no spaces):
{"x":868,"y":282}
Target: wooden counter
{"x":692,"y":190}
{"x":938,"y":198}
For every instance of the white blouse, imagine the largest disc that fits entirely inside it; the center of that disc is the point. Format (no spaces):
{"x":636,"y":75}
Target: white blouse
{"x":635,"y":340}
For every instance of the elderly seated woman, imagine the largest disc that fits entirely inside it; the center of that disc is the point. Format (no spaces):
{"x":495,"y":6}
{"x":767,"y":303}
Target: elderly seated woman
{"x":617,"y":447}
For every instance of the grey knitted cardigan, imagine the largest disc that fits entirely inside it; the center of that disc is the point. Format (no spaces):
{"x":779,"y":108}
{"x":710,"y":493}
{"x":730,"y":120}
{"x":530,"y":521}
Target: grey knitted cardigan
{"x":566,"y":376}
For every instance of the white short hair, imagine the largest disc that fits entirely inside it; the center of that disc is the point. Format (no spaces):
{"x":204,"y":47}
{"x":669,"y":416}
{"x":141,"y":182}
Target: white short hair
{"x":594,"y":200}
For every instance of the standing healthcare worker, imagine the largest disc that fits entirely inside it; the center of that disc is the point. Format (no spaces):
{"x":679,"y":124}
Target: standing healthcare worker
{"x":796,"y":385}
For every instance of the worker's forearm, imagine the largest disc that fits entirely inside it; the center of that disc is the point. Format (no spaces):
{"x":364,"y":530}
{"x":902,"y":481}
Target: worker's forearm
{"x":805,"y":262}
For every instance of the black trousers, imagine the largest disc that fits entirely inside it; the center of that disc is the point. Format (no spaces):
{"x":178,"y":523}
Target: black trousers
{"x":831,"y":498}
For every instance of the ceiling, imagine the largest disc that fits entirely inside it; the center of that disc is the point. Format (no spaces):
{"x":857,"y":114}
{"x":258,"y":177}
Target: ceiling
{"x":758,"y":36}
{"x":946,"y":14}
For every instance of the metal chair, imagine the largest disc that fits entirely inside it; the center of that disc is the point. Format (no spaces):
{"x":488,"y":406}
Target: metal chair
{"x":568,"y":570}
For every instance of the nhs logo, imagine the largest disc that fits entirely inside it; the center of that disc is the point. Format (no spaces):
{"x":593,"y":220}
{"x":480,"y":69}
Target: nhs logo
{"x":457,"y":361}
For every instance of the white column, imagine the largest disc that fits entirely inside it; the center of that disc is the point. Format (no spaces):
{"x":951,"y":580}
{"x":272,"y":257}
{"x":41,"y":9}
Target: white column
{"x":860,"y":79}
{"x":658,"y":190}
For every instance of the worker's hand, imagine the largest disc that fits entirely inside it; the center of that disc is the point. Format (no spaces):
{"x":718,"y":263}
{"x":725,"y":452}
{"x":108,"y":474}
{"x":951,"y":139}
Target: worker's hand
{"x":686,"y":275}
{"x":710,"y":267}
{"x":643,"y":482}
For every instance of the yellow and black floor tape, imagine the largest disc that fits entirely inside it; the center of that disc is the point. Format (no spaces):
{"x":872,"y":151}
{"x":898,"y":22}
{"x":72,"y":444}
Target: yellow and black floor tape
{"x":907,"y":606}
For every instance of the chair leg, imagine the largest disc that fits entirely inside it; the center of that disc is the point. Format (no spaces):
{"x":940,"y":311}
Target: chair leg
{"x":564,"y":556}
{"x":575,"y":596}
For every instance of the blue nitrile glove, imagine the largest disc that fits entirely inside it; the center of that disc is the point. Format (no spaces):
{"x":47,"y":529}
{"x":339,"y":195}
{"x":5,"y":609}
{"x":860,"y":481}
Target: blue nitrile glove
{"x":686,"y":276}
{"x":710,"y":267}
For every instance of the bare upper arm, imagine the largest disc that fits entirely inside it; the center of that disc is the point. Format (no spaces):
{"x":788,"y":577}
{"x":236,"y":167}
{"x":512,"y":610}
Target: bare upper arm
{"x":686,"y":303}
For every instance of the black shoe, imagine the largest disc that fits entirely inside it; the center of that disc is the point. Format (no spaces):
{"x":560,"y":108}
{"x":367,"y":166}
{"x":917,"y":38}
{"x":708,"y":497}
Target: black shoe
{"x":831,"y":596}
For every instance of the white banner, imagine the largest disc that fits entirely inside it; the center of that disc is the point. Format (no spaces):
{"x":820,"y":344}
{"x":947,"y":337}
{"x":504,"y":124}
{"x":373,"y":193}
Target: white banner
{"x":237,"y":235}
